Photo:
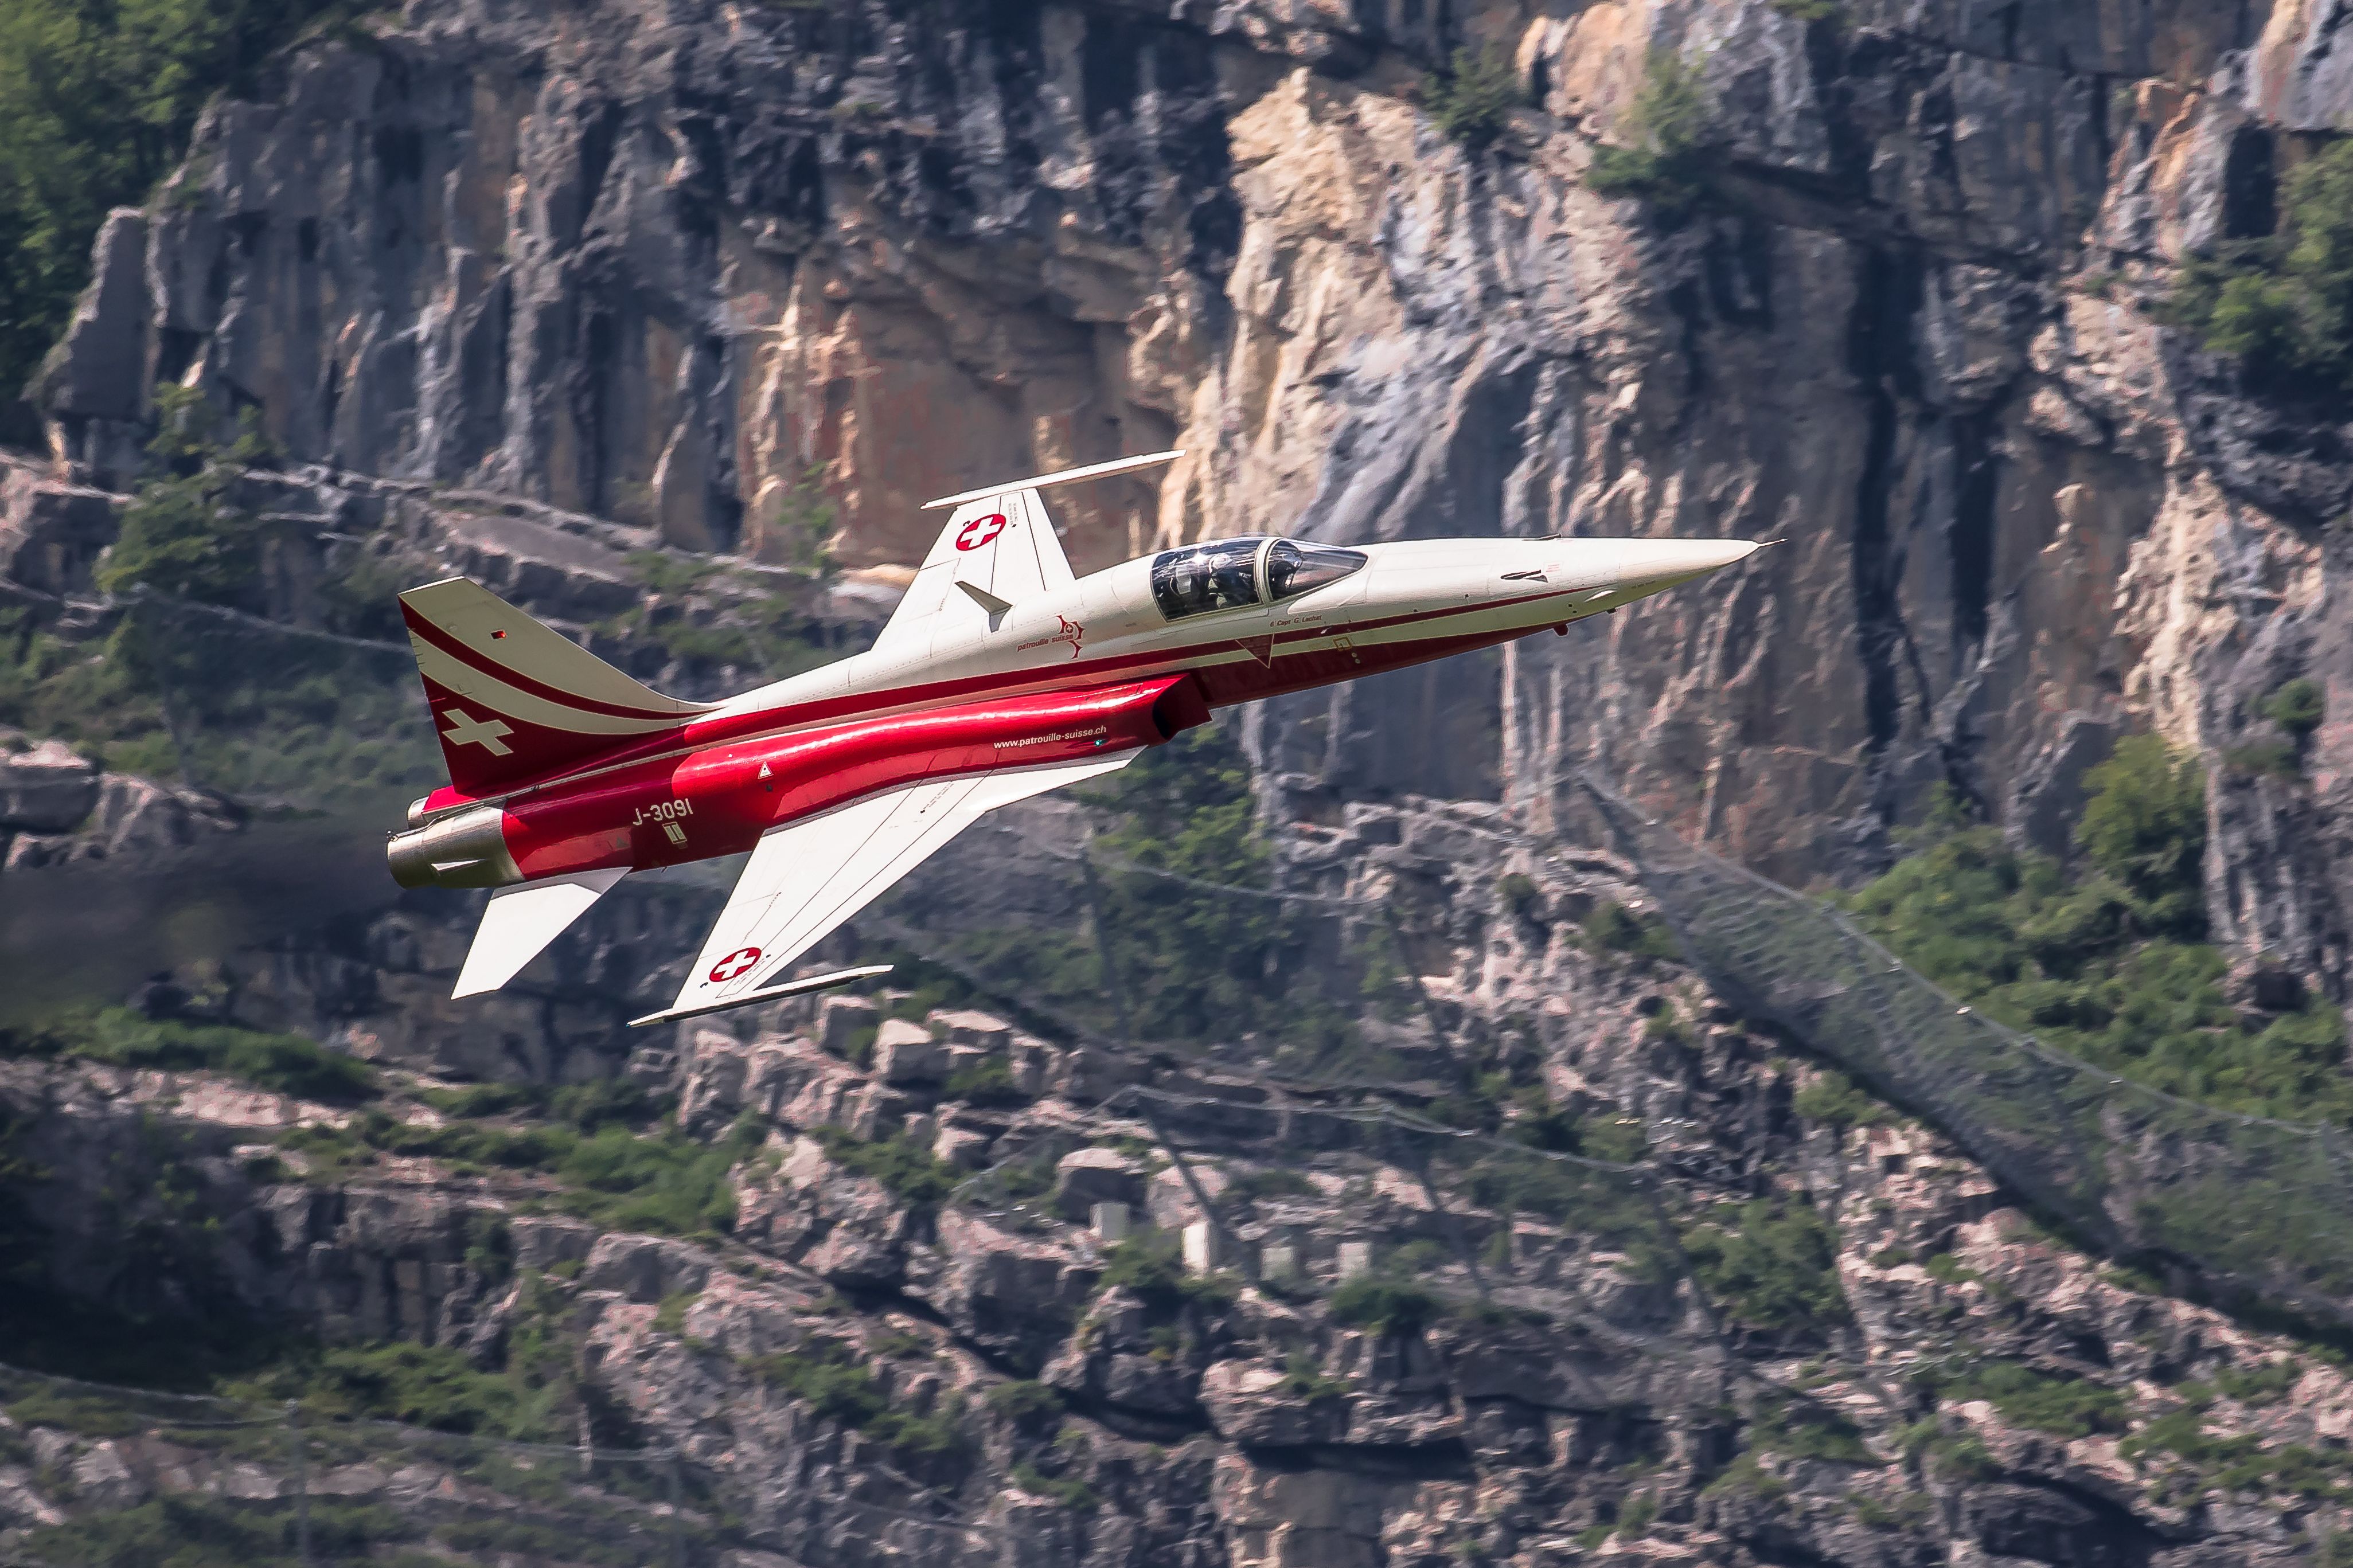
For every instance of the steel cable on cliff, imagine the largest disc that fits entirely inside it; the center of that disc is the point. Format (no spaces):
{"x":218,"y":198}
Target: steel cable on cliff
{"x":2256,"y":1205}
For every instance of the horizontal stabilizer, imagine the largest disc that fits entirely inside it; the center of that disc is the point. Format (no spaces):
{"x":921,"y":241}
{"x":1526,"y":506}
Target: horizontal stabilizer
{"x":521,"y":921}
{"x":1067,"y":476}
{"x":765,"y":994}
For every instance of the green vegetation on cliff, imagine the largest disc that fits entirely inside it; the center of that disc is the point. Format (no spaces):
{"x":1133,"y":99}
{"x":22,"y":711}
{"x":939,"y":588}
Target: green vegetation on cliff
{"x":1471,"y":97}
{"x":286,"y":1063}
{"x":618,"y":1172}
{"x":2108,"y":960}
{"x":191,"y":683}
{"x":2283,"y":304}
{"x":1772,"y":1263}
{"x":97,"y":101}
{"x":1665,"y":154}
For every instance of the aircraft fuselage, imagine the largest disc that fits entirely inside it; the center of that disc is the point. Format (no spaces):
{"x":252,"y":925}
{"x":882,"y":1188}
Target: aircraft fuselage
{"x":1122,"y":659}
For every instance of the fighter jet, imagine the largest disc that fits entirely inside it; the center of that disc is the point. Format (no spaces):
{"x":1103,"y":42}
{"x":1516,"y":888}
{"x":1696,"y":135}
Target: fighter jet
{"x":1000,"y":676}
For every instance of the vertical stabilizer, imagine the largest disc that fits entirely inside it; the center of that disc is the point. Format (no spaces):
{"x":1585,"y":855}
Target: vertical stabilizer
{"x":515,"y":701}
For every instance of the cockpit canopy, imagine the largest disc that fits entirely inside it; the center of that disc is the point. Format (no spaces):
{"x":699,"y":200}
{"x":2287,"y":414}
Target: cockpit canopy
{"x":1232,"y":573}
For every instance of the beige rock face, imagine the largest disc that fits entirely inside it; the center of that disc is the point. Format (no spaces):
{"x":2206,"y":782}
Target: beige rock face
{"x":746,"y":277}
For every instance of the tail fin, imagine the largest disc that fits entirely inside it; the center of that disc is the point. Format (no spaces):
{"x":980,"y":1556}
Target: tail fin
{"x":514,"y":701}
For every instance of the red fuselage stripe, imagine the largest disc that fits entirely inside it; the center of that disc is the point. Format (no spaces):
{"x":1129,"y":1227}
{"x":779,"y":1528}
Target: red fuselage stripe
{"x":695,"y":735}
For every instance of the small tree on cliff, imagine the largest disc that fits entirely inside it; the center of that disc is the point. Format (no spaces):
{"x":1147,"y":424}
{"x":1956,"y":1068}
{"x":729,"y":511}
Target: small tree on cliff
{"x":2283,"y":305}
{"x":1666,"y":141}
{"x":184,"y":541}
{"x":181,"y":534}
{"x":1473,"y":96}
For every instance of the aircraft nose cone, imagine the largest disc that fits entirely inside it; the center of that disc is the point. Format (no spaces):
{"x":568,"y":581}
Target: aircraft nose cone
{"x":1645,"y":566}
{"x":1690,"y":557}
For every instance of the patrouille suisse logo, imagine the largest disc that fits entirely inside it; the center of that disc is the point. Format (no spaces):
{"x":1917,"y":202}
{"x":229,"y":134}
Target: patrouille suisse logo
{"x":1072,"y":633}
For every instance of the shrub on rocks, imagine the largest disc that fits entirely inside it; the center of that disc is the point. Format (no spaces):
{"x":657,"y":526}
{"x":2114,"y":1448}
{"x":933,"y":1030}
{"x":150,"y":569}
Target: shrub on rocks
{"x":1665,"y":153}
{"x":2282,"y":304}
{"x":1471,"y":97}
{"x":1386,"y":1305}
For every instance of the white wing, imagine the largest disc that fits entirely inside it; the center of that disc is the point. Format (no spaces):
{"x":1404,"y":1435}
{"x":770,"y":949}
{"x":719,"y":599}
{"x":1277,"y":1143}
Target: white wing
{"x":1001,"y":548}
{"x":807,"y":876}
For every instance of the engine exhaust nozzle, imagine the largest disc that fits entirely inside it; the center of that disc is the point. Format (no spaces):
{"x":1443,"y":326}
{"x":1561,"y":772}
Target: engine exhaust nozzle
{"x":467,"y":849}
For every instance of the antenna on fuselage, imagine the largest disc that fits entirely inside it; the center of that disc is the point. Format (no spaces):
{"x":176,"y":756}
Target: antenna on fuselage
{"x":1067,"y":476}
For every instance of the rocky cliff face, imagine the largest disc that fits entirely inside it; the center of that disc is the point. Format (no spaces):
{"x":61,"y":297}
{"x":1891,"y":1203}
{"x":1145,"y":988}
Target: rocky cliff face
{"x":1898,"y":1368}
{"x":521,"y":291}
{"x":668,"y":261}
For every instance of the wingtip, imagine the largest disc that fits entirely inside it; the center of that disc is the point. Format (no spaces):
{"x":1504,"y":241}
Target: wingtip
{"x":765,"y":994}
{"x":1064,"y":476}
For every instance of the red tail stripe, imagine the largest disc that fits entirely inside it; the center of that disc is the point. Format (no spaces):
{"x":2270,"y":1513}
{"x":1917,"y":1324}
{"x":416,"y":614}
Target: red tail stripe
{"x":521,"y":682}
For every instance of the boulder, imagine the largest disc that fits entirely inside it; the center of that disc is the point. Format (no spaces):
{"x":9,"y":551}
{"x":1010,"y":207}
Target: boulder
{"x":830,"y":1096}
{"x":966,"y":1028}
{"x":717,"y":1067}
{"x":1152,"y":1386}
{"x":1086,"y":1177}
{"x":840,"y":1018}
{"x":1170,"y":1202}
{"x":136,"y":816}
{"x":47,"y":789}
{"x":1087,"y":1075}
{"x":100,"y":370}
{"x":847,"y":1227}
{"x":965,"y":1148}
{"x":102,"y":1479}
{"x":543,"y":1241}
{"x":644,"y":1268}
{"x":1013,"y":1296}
{"x":904,"y":1052}
{"x":1252,"y":1405}
{"x":777,"y":1071}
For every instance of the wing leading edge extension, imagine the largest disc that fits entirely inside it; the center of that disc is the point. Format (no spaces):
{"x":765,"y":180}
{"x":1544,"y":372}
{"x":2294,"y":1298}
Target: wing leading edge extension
{"x":805,"y":878}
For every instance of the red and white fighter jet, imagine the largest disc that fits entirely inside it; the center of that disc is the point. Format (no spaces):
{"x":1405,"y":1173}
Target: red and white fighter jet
{"x":1000,"y":676}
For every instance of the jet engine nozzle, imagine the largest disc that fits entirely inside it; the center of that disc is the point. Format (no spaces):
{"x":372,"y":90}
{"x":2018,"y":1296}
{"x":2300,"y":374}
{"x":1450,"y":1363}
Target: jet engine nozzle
{"x":467,"y":849}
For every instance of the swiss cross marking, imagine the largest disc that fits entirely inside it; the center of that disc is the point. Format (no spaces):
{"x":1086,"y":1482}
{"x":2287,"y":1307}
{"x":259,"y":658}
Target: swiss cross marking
{"x":980,"y":531}
{"x":736,"y":964}
{"x":466,"y":731}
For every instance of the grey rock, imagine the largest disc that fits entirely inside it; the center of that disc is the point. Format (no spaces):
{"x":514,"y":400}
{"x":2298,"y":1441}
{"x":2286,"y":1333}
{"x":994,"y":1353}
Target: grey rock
{"x":1089,"y":1076}
{"x":841,"y":1017}
{"x":965,"y":1148}
{"x":905,"y":1052}
{"x":1086,"y":1177}
{"x":974,"y":1030}
{"x":541,"y":1242}
{"x":95,"y":381}
{"x":52,"y":532}
{"x":644,"y":1268}
{"x":1250,"y":1407}
{"x":46,"y":789}
{"x":103,"y":1478}
{"x":1016,"y":1296}
{"x":2049,"y":795}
